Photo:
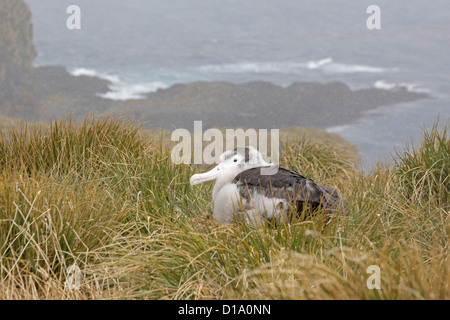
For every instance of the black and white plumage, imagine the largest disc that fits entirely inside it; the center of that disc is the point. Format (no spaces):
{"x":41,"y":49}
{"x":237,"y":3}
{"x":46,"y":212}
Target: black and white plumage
{"x":250,"y":188}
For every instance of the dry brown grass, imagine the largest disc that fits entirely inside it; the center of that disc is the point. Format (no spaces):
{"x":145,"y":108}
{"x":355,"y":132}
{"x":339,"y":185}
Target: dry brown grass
{"x":105,"y":196}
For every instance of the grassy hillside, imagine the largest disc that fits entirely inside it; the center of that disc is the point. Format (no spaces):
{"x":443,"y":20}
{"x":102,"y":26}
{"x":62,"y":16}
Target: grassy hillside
{"x":105,"y":196}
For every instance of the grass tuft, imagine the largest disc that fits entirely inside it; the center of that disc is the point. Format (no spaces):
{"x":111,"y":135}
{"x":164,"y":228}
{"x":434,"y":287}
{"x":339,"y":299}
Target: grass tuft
{"x":105,"y":196}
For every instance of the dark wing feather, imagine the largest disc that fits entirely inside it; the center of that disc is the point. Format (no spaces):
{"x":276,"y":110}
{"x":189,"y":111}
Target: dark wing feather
{"x":289,"y":185}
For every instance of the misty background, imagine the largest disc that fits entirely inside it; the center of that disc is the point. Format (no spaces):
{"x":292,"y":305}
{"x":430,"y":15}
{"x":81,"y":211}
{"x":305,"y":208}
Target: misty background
{"x":148,"y":57}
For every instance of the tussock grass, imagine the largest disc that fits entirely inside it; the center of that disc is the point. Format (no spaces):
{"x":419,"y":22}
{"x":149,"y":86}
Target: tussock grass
{"x":104,"y":195}
{"x":427,"y":167}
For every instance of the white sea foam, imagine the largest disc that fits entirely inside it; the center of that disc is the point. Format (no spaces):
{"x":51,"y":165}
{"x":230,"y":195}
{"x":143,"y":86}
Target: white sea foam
{"x":319,"y":63}
{"x":411,"y":87}
{"x":122,"y":88}
{"x":352,"y":68}
{"x":119,"y":89}
{"x":93,"y":73}
{"x":327,"y":65}
{"x":132,"y":91}
{"x":253,"y":67}
{"x":381,"y":84}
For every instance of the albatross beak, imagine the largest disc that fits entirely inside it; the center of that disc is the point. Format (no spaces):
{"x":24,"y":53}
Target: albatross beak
{"x":207,"y":176}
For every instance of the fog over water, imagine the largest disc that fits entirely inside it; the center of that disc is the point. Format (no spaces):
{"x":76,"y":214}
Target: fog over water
{"x":142,"y":45}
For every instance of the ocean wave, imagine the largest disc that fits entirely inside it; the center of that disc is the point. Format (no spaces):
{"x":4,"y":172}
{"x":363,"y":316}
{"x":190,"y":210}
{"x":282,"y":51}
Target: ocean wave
{"x":391,"y":86}
{"x":93,"y":73}
{"x":132,"y":91}
{"x":319,"y":63}
{"x":381,"y":84}
{"x":121,"y":90}
{"x":327,"y":65}
{"x":252,"y":67}
{"x":352,"y":68}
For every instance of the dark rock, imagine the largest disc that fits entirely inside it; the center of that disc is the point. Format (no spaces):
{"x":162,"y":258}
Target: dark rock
{"x":259,"y":104}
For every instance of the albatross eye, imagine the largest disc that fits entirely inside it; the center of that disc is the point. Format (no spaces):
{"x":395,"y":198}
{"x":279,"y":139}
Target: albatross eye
{"x":235,"y":160}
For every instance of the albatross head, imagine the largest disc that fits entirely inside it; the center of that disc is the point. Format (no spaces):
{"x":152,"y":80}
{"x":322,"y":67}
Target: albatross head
{"x":232,"y":162}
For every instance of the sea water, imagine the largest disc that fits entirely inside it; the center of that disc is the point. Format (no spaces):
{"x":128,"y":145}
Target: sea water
{"x":145,"y":45}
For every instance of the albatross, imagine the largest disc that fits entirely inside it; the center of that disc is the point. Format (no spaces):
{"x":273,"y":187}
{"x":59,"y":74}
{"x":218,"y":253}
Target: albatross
{"x":249,"y":188}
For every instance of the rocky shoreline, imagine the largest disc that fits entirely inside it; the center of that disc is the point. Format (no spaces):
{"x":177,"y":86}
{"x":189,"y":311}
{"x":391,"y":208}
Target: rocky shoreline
{"x":257,"y":104}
